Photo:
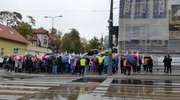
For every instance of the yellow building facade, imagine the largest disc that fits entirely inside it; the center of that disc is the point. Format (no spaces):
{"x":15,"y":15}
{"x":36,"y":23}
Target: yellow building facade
{"x":8,"y":47}
{"x":35,"y":49}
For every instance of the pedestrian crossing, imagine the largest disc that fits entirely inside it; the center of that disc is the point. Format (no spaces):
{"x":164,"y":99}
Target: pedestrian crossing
{"x":123,"y":88}
{"x":103,"y":87}
{"x":14,"y":90}
{"x":145,"y":89}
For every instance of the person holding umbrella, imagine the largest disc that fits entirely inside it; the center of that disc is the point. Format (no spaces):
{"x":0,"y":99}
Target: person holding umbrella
{"x":131,"y":60}
{"x":127,"y":66}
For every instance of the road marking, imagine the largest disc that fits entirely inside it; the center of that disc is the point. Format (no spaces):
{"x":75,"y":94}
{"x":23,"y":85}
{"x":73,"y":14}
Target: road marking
{"x":103,"y":87}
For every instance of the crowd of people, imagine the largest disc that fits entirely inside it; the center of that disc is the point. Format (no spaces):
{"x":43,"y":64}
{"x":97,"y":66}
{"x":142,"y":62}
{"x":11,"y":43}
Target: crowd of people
{"x":53,"y":63}
{"x":75,"y":64}
{"x":134,"y":63}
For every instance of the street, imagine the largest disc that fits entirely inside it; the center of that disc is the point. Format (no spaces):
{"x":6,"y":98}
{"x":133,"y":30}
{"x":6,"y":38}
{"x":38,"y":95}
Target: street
{"x":139,"y":86}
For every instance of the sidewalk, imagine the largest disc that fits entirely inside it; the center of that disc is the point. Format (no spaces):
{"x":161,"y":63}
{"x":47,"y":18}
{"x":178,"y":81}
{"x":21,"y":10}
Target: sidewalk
{"x":155,"y":73}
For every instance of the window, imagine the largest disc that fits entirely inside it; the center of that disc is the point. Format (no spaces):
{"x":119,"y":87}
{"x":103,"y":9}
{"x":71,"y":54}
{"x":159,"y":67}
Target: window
{"x":45,"y":36}
{"x":136,"y":41}
{"x":16,"y":50}
{"x":148,"y":41}
{"x":141,"y":8}
{"x":45,"y":42}
{"x":159,"y":42}
{"x":125,"y":8}
{"x":160,"y":8}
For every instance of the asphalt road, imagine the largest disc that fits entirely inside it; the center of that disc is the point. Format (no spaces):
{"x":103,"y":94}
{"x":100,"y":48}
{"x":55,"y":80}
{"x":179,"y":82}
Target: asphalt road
{"x":138,"y":86}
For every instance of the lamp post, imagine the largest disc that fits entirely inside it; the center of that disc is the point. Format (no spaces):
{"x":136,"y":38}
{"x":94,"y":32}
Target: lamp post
{"x":52,"y":18}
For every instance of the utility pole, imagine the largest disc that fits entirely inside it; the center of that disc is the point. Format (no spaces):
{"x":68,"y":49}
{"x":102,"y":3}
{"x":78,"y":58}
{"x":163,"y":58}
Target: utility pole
{"x":52,"y":18}
{"x":110,"y":21}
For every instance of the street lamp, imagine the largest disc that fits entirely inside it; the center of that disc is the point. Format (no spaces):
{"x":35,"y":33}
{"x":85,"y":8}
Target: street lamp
{"x":52,"y":18}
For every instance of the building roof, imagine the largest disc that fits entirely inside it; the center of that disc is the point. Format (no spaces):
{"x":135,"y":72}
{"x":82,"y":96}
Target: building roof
{"x":40,"y":31}
{"x":11,"y":34}
{"x":33,"y":38}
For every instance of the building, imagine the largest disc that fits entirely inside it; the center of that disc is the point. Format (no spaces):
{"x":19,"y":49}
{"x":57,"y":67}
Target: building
{"x":40,"y":37}
{"x":143,"y":25}
{"x":11,"y":42}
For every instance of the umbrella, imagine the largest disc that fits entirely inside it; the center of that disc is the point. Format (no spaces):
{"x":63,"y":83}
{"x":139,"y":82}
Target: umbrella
{"x":40,"y":57}
{"x":18,"y":57}
{"x":85,"y":54}
{"x":48,"y":55}
{"x":104,"y":53}
{"x":92,"y":52}
{"x":65,"y":58}
{"x":131,"y":58}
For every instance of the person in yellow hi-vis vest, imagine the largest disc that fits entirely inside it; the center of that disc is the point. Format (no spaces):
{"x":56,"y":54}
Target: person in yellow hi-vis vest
{"x":82,"y":65}
{"x":100,"y":64}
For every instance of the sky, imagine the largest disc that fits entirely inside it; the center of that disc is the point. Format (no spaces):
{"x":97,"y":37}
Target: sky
{"x":89,"y":17}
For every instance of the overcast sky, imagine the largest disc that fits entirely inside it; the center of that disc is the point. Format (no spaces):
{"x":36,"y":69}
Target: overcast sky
{"x":89,"y":17}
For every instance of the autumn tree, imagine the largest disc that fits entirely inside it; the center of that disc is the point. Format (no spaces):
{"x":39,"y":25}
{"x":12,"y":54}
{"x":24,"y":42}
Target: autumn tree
{"x":71,"y":42}
{"x":24,"y":28}
{"x":94,"y":43}
{"x":84,"y":45}
{"x":55,"y":42}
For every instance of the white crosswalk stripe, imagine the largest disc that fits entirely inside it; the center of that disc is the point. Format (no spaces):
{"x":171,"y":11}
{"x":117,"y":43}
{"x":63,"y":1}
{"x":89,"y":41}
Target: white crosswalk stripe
{"x":12,"y":90}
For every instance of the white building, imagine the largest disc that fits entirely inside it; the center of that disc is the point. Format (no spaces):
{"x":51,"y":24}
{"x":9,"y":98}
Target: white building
{"x":40,"y":37}
{"x":144,"y":22}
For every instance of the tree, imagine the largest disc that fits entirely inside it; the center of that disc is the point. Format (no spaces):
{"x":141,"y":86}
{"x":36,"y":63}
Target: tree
{"x":84,"y":45}
{"x":10,"y":18}
{"x":94,"y":43}
{"x":71,"y":42}
{"x":24,"y":29}
{"x":55,"y":42}
{"x":17,"y":17}
{"x":5,"y":17}
{"x":66,"y":43}
{"x":32,"y":20}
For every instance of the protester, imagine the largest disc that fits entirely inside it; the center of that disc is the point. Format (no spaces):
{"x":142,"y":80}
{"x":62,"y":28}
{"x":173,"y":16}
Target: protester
{"x":169,"y":61}
{"x":100,"y":64}
{"x":106,"y":64}
{"x":54,"y":65}
{"x":165,"y":61}
{"x":127,"y":66}
{"x":150,"y":65}
{"x":91,"y":65}
{"x":82,"y":66}
{"x":122,"y":65}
